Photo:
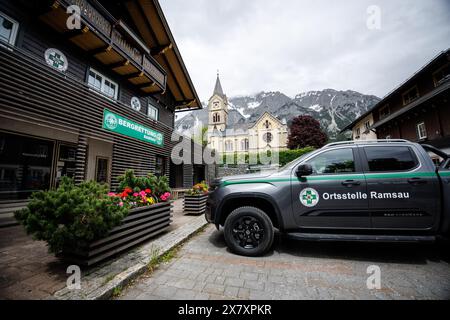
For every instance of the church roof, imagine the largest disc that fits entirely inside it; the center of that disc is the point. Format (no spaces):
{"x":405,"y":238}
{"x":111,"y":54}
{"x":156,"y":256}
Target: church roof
{"x":218,"y":88}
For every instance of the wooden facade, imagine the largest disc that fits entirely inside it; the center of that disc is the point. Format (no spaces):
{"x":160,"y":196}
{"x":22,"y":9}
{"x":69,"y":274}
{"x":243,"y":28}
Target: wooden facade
{"x":40,"y":105}
{"x":417,"y":110}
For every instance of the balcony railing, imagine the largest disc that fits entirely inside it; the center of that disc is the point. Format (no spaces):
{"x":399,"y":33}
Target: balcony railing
{"x":103,"y":24}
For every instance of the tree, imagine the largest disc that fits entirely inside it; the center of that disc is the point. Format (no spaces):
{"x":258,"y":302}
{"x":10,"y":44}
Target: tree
{"x":201,"y":136}
{"x":305,"y":131}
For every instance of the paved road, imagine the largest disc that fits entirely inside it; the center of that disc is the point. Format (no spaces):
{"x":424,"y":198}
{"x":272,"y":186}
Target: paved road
{"x":205,"y":269}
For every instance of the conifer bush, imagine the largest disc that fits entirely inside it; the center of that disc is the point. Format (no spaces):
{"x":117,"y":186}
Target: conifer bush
{"x":72,"y":216}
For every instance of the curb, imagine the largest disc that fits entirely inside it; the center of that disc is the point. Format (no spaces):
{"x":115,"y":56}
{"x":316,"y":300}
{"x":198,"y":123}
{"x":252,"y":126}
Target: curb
{"x":100,"y":285}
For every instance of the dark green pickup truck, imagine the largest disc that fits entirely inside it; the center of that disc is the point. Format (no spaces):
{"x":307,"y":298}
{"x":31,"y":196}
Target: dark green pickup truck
{"x":383,"y":190}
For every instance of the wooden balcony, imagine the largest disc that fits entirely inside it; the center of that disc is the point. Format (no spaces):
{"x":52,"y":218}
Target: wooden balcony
{"x":110,"y":41}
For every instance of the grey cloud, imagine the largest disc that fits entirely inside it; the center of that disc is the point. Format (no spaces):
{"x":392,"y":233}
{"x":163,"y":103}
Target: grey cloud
{"x":295,"y":46}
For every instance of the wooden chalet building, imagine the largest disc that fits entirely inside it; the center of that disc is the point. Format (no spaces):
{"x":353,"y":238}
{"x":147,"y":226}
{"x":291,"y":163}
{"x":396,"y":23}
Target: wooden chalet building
{"x":418,"y":110}
{"x":87,"y":102}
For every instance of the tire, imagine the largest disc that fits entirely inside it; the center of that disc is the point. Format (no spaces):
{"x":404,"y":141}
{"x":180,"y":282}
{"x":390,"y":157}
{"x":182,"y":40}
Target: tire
{"x":248,"y":232}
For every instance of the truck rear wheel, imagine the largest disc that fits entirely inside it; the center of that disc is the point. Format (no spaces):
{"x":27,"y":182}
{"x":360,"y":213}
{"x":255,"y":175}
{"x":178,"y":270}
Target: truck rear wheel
{"x":248,"y":231}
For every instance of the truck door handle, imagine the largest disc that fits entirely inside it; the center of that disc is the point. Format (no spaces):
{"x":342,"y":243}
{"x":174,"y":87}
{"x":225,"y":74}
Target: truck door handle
{"x":417,"y":181}
{"x":349,"y":183}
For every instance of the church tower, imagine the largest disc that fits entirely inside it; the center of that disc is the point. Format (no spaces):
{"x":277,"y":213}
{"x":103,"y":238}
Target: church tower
{"x":218,"y":109}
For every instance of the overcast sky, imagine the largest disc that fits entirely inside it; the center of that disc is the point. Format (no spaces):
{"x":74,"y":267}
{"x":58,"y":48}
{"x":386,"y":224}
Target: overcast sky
{"x":294,"y":46}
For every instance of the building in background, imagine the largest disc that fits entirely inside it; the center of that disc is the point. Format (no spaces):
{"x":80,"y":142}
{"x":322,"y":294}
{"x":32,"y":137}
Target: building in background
{"x":88,"y":102}
{"x":361,"y":127}
{"x":417,"y":110}
{"x":268,"y":133}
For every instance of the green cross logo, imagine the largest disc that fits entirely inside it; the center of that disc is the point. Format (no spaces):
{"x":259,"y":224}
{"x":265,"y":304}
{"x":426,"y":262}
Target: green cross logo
{"x":56,"y":59}
{"x":309,"y":197}
{"x":111,"y":121}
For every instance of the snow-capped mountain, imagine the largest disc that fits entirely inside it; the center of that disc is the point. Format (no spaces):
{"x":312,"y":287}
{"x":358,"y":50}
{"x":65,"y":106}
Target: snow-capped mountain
{"x":333,"y":109}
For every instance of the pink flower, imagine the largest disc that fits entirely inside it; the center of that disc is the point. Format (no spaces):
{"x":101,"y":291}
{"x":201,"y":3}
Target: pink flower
{"x":111,"y":194}
{"x":121,"y":204}
{"x":165,"y":196}
{"x":142,"y":193}
{"x":135,"y":194}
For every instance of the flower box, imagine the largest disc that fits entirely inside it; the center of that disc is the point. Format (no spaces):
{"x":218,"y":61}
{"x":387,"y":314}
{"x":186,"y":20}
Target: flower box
{"x":195,"y":204}
{"x":140,"y":225}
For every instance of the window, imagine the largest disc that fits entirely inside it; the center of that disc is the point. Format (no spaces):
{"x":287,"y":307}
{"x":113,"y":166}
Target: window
{"x":66,"y":165}
{"x":366,"y":127}
{"x":216,"y":118}
{"x":268,"y":137}
{"x":410,"y":95}
{"x":267,"y":125}
{"x":102,"y":84}
{"x":441,"y":75}
{"x":244,"y":145}
{"x":384,"y":112}
{"x":421,"y":131}
{"x":358,"y":133}
{"x":101,"y":170}
{"x":160,"y":166}
{"x":25,"y":166}
{"x":381,"y":159}
{"x":8,"y":29}
{"x":229,"y":145}
{"x":153,"y":112}
{"x":333,"y":162}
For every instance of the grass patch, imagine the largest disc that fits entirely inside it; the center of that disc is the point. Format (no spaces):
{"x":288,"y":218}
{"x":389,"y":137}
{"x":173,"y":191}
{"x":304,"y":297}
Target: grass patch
{"x":108,"y":279}
{"x":156,"y":260}
{"x":116,"y":292}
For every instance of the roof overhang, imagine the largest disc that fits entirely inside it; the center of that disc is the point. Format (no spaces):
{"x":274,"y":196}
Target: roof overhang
{"x":439,"y":90}
{"x":357,"y":120}
{"x":443,"y":54}
{"x":147,"y":18}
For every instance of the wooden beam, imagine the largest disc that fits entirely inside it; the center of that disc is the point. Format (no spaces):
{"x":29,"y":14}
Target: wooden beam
{"x":185,"y":104}
{"x":169,"y":70}
{"x":156,"y":51}
{"x":147,"y":85}
{"x":135,"y":75}
{"x":104,"y":49}
{"x":75,"y":33}
{"x":119,"y":64}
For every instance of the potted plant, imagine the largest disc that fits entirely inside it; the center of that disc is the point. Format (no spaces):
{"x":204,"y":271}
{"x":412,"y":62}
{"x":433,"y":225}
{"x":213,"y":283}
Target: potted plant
{"x":86,"y":224}
{"x":195,"y":199}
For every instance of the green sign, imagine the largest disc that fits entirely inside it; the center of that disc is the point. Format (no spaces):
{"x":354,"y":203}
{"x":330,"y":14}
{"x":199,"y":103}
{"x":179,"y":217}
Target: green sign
{"x":118,"y":124}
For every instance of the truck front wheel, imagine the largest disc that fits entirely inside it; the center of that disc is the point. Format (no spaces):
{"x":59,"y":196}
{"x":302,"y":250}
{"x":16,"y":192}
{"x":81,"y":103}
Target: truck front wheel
{"x":248,"y":231}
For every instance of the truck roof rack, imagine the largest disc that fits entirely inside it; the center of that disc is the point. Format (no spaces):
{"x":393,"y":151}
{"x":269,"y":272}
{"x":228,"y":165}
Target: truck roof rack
{"x":365,"y":142}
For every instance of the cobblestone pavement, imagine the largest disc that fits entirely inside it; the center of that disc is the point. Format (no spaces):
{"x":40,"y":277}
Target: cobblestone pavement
{"x":205,"y":269}
{"x":28,"y":271}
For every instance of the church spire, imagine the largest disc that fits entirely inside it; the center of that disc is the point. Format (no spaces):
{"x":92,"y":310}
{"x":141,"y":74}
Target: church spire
{"x":218,"y":88}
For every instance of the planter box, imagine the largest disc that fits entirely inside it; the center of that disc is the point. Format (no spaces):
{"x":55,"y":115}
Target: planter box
{"x":140,"y":225}
{"x":195,"y":205}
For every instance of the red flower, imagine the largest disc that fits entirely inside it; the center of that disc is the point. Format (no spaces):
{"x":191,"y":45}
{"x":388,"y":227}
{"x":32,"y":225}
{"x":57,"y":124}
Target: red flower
{"x":148,"y":191}
{"x":127,"y":190}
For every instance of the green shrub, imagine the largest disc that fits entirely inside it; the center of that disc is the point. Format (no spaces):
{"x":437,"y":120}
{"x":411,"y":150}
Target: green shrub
{"x":287,"y":156}
{"x":72,"y":216}
{"x":284,"y":156}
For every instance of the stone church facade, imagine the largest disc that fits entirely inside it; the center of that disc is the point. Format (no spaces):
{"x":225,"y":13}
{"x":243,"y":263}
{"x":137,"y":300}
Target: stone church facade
{"x":268,"y":133}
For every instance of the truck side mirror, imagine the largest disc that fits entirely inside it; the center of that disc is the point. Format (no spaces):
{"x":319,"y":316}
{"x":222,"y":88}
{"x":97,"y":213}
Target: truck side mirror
{"x":304,"y":170}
